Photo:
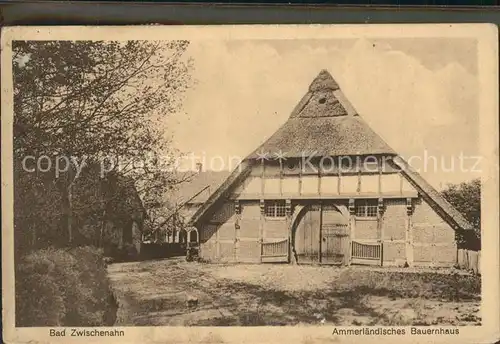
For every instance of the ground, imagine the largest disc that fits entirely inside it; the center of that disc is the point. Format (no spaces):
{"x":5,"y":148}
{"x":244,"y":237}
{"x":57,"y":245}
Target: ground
{"x":177,"y":293}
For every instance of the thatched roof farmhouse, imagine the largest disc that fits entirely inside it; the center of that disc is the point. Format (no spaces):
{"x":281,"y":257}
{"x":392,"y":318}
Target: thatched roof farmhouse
{"x":294,"y":199}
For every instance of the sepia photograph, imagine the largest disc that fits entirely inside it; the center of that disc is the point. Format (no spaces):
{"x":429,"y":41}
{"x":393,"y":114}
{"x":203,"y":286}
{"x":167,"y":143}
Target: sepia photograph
{"x":240,"y":177}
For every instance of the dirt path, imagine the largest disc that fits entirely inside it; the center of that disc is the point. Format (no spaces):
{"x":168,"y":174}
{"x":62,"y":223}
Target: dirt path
{"x":158,"y":292}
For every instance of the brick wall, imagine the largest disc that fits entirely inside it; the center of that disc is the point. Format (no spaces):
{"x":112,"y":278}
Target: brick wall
{"x":433,"y":239}
{"x":394,"y":252}
{"x":208,"y":243}
{"x":218,"y":233}
{"x":366,"y":229}
{"x":275,"y":229}
{"x":394,"y":231}
{"x":394,"y":219}
{"x":226,"y":231}
{"x":248,"y":250}
{"x":226,"y":251}
{"x":250,"y":220}
{"x":250,"y":210}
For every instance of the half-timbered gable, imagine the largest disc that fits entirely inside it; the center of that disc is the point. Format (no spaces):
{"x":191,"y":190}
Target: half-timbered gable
{"x":326,"y":189}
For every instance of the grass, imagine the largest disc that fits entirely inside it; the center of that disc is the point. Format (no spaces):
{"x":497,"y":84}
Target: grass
{"x":427,"y":285}
{"x":277,"y":295}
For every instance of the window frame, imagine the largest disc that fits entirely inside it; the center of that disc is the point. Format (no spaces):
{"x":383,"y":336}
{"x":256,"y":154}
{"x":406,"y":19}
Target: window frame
{"x":369,"y":209}
{"x":278,"y":208}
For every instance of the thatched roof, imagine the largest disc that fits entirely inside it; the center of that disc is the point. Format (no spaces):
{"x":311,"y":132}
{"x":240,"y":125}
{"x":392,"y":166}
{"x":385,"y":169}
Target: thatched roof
{"x":324,"y":123}
{"x":325,"y":136}
{"x":233,"y":179}
{"x":432,"y":195}
{"x":199,"y":185}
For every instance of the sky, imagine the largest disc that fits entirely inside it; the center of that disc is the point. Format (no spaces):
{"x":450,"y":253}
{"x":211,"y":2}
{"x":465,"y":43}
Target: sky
{"x":420,"y":95}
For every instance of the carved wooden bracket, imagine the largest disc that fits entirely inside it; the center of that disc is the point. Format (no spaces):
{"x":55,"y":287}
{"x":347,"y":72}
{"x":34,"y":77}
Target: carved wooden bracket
{"x":288,"y":207}
{"x":262,"y":206}
{"x":352,"y":208}
{"x":380,"y":206}
{"x":237,"y":207}
{"x":409,"y":206}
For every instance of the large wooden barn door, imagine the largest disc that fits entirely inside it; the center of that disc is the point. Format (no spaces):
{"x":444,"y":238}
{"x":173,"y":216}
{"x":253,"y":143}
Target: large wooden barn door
{"x":306,"y":238}
{"x":321,"y":236}
{"x":334,"y":236}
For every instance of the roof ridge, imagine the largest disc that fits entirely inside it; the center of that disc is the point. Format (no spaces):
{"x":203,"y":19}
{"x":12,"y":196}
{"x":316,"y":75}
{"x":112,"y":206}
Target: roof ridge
{"x":326,"y":122}
{"x":323,"y":81}
{"x":324,"y":98}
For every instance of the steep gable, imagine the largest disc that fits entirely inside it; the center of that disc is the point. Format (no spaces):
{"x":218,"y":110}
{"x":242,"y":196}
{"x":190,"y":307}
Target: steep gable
{"x":324,"y":123}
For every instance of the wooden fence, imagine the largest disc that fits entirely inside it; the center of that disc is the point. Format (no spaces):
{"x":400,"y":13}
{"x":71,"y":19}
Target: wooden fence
{"x":274,"y":251}
{"x":469,"y":260}
{"x":362,"y":253}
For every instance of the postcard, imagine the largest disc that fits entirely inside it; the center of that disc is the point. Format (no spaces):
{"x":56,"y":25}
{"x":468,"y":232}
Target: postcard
{"x":250,"y":184}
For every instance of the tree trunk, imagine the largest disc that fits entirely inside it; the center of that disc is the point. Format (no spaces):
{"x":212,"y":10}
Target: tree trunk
{"x":67,"y":206}
{"x":68,"y":212}
{"x":103,"y":214}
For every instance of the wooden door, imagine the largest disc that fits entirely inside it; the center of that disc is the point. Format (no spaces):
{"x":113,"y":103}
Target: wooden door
{"x":334,"y":236}
{"x":306,"y":236}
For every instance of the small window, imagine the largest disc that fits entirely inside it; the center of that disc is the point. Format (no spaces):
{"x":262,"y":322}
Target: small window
{"x":275,"y":209}
{"x":291,"y":165}
{"x":366,"y":208}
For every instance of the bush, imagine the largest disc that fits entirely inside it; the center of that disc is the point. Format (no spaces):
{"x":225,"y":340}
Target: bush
{"x":64,"y":287}
{"x":466,"y":198}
